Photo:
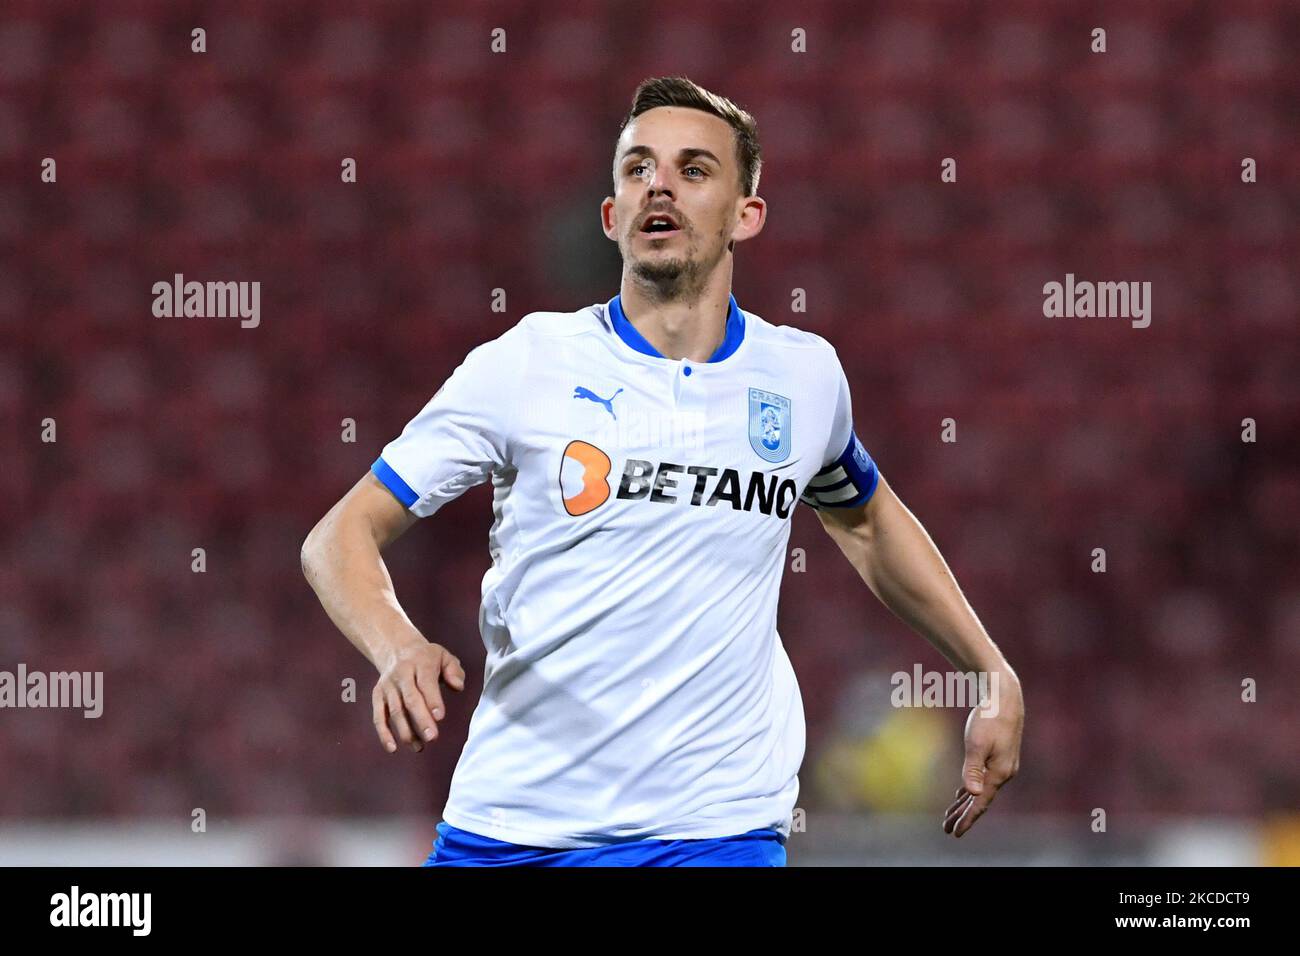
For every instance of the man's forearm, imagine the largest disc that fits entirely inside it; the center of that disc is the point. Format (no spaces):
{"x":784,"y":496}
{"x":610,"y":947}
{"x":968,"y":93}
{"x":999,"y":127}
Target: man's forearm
{"x":343,"y":564}
{"x":896,"y":558}
{"x":900,"y":563}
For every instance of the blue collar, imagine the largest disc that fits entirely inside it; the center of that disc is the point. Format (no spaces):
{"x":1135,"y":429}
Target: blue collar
{"x":731,"y":340}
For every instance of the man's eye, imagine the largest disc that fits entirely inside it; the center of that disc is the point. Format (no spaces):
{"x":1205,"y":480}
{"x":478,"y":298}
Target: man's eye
{"x":633,"y":171}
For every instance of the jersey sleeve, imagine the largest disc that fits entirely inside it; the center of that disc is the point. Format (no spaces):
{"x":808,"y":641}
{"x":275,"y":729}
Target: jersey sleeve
{"x":848,"y":476}
{"x":458,"y":438}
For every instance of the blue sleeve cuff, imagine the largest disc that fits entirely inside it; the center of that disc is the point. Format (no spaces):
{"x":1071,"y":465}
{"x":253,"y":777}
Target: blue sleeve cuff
{"x":393,"y":482}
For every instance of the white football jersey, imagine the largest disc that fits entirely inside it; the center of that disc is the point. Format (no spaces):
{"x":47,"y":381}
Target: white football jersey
{"x":635,"y":684}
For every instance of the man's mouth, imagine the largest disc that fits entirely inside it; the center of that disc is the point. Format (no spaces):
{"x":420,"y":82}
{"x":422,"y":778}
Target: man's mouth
{"x":661,"y":226}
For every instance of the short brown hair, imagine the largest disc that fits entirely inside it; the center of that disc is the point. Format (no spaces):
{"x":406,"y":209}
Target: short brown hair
{"x":679,"y":91}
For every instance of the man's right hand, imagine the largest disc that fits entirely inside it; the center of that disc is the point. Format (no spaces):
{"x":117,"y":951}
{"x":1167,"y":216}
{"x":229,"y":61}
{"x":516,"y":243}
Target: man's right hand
{"x":407,"y":700}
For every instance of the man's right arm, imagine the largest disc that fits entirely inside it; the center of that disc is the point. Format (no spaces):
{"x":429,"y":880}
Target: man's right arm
{"x":341,"y":559}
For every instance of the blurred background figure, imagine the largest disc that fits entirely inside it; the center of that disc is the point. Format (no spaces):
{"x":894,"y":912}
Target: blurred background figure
{"x":884,"y":759}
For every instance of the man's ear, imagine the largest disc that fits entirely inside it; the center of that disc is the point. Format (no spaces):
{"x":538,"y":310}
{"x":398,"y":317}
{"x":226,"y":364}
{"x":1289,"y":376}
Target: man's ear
{"x":762,"y":210}
{"x":608,"y":203}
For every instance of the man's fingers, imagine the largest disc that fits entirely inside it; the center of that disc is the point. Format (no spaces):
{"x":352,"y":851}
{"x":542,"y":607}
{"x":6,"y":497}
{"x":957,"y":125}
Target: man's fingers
{"x":975,"y":795}
{"x":962,"y":795}
{"x":426,"y":679}
{"x":453,"y":673}
{"x":976,"y":810}
{"x":379,"y":709}
{"x":397,"y":714}
{"x":418,"y":709}
{"x":954,"y":812}
{"x":967,"y":819}
{"x":408,"y":696}
{"x":960,"y":823}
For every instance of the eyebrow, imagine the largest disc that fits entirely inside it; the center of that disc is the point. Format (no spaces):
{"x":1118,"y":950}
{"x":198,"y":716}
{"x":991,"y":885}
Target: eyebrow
{"x":687,"y":152}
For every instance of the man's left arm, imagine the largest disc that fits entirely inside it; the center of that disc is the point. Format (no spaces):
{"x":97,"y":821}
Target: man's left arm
{"x":899,"y":562}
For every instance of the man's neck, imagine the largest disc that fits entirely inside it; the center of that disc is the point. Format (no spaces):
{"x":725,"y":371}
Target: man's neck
{"x":681,"y":328}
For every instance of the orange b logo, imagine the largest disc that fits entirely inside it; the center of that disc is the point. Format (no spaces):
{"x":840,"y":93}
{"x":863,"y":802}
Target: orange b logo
{"x":595,"y":465}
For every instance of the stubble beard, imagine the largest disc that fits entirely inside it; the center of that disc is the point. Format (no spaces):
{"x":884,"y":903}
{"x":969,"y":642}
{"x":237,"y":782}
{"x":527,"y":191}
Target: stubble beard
{"x":669,"y":278}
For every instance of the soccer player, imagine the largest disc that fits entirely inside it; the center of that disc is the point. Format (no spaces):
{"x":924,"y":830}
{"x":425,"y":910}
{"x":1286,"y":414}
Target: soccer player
{"x":646,"y":456}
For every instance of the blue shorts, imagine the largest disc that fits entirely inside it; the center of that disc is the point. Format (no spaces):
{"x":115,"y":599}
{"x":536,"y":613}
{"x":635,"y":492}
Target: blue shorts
{"x":456,"y":847}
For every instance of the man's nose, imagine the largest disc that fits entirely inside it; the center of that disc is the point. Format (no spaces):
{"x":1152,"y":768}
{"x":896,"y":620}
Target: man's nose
{"x":660,"y":183}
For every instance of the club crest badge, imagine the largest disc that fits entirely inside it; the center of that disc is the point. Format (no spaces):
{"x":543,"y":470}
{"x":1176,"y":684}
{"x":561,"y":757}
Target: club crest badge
{"x":769,"y":425}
